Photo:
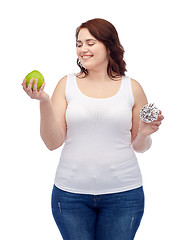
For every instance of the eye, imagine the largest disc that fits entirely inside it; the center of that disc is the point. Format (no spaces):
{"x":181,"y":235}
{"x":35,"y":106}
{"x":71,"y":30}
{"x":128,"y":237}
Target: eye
{"x":78,"y":45}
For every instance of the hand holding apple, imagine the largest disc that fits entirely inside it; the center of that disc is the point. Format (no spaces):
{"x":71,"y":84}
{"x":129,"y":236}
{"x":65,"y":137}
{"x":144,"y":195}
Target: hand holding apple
{"x":35,"y":75}
{"x":34,"y":87}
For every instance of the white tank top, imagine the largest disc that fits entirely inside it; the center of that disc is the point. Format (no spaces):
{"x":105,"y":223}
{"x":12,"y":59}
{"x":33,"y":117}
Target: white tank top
{"x":97,"y":155}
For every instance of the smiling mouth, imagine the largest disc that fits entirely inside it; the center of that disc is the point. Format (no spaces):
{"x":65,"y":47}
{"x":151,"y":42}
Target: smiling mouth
{"x":85,"y":57}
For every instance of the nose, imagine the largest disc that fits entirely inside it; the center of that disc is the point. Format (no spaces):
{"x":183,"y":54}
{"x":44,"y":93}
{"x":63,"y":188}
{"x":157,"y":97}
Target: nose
{"x":84,"y":48}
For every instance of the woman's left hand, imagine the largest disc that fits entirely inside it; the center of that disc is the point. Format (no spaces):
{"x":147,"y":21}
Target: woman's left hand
{"x":149,"y":128}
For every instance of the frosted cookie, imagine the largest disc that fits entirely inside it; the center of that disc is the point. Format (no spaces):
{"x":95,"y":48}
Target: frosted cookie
{"x":149,"y":113}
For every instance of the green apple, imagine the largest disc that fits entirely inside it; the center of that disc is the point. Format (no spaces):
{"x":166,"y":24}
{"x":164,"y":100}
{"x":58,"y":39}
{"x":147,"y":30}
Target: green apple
{"x":36,"y":75}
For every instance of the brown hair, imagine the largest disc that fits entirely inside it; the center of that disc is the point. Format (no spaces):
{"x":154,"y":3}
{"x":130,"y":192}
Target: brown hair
{"x":106,"y":33}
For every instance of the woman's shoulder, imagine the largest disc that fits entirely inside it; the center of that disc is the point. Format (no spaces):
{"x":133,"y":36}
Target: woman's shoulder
{"x":136,"y":86}
{"x":64,"y":78}
{"x":137,"y":90}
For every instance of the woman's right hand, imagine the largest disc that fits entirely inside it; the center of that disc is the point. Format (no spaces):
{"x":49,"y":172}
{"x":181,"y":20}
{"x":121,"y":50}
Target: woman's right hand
{"x":34,"y":93}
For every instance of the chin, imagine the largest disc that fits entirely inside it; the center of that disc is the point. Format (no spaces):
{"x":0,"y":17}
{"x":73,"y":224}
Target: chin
{"x":86,"y":66}
{"x":90,"y":66}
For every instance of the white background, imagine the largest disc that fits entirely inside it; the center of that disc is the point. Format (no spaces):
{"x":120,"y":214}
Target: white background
{"x":40,"y":34}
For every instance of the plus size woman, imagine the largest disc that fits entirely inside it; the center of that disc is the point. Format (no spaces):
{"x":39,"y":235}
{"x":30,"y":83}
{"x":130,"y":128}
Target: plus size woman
{"x":98,"y":190}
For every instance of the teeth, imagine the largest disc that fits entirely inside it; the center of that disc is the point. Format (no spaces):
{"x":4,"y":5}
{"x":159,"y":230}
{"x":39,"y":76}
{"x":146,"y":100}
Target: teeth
{"x":85,"y":57}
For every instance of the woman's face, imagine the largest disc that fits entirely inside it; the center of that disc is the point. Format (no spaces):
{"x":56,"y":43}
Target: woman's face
{"x":91,"y":52}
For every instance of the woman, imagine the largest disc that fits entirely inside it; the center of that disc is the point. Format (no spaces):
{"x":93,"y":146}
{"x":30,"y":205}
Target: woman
{"x":98,"y":191}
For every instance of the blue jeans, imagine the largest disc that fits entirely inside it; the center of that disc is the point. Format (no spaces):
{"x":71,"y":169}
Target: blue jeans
{"x":98,"y":217}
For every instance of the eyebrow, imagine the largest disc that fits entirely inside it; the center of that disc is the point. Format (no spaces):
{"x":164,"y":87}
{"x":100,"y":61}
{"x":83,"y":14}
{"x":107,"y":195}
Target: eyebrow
{"x":87,"y":40}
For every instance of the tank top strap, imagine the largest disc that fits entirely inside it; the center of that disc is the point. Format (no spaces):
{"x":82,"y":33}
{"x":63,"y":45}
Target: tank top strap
{"x":70,"y":87}
{"x":126,"y":91}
